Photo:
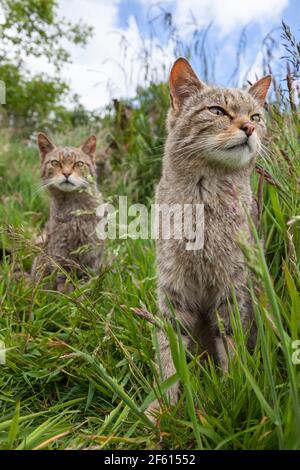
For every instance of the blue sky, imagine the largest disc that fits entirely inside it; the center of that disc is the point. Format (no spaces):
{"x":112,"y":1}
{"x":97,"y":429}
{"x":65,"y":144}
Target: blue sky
{"x":112,"y":64}
{"x":255,"y":30}
{"x":291,"y":13}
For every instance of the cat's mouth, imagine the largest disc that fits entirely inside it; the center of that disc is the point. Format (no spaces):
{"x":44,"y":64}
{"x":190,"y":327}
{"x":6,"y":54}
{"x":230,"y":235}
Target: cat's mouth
{"x":243,"y":146}
{"x":67,"y":186}
{"x":67,"y":182}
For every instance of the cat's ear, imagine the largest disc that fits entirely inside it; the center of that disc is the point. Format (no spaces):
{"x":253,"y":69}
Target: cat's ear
{"x":183,"y":82}
{"x":45,"y":144}
{"x":89,"y":146}
{"x":260,"y":89}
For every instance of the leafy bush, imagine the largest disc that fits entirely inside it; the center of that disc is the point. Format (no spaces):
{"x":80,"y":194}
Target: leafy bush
{"x":31,"y":28}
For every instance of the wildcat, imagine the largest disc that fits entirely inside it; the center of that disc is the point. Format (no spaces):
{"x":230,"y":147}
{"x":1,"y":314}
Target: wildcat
{"x":69,"y":237}
{"x":214,"y":135}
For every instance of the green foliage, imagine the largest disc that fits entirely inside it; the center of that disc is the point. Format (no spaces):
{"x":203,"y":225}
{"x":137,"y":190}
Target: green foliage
{"x":31,"y":28}
{"x":32,"y":102}
{"x":135,"y":132}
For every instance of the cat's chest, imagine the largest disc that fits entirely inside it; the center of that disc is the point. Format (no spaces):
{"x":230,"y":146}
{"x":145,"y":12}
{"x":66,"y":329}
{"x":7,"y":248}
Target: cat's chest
{"x":73,"y":227}
{"x":219,"y":259}
{"x":221,"y":199}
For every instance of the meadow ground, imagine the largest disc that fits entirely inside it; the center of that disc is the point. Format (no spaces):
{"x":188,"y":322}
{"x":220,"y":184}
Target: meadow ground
{"x":79,"y":367}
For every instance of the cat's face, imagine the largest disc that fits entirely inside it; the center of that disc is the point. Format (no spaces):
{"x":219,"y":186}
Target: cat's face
{"x":67,"y":169}
{"x":224,"y":126}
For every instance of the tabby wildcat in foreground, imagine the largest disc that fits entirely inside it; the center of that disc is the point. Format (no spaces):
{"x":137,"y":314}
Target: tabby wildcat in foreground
{"x":214,"y":135}
{"x":69,"y":238}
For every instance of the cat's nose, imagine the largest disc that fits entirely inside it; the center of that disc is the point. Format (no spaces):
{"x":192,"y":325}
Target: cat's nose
{"x":66,"y":173}
{"x":248,"y":128}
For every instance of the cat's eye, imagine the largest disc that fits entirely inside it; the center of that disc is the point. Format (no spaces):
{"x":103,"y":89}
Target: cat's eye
{"x":217,"y":110}
{"x":79,"y":164}
{"x":255,"y":117}
{"x":55,"y":163}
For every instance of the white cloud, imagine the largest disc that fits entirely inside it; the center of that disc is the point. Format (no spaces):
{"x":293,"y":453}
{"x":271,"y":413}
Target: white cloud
{"x":111,"y":65}
{"x":228,"y":14}
{"x":229,"y":17}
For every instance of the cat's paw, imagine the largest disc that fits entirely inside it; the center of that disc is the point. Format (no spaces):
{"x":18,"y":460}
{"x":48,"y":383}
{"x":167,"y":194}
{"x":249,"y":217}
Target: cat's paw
{"x":153,"y":412}
{"x":64,"y":287}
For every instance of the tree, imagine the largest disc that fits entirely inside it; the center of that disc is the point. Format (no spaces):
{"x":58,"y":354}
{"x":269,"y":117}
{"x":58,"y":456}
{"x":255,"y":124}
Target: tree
{"x":31,"y":28}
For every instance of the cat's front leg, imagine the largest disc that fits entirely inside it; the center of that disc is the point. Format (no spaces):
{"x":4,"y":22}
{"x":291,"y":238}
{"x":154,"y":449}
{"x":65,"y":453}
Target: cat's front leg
{"x":41,"y":267}
{"x":169,"y":304}
{"x":223,"y":343}
{"x":63,"y":284}
{"x":165,"y":369}
{"x":91,"y":260}
{"x":60,"y":282}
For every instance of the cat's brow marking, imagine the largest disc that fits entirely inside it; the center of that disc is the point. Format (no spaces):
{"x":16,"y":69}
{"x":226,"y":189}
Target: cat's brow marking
{"x":203,"y":129}
{"x":196,"y":111}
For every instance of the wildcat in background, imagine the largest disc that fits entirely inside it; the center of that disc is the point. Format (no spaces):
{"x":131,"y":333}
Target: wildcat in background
{"x":214,"y":135}
{"x":69,"y":237}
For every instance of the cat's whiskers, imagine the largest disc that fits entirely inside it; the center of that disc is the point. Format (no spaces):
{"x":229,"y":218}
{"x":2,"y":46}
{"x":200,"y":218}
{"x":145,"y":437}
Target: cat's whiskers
{"x":41,"y":186}
{"x":265,"y":153}
{"x":200,"y":144}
